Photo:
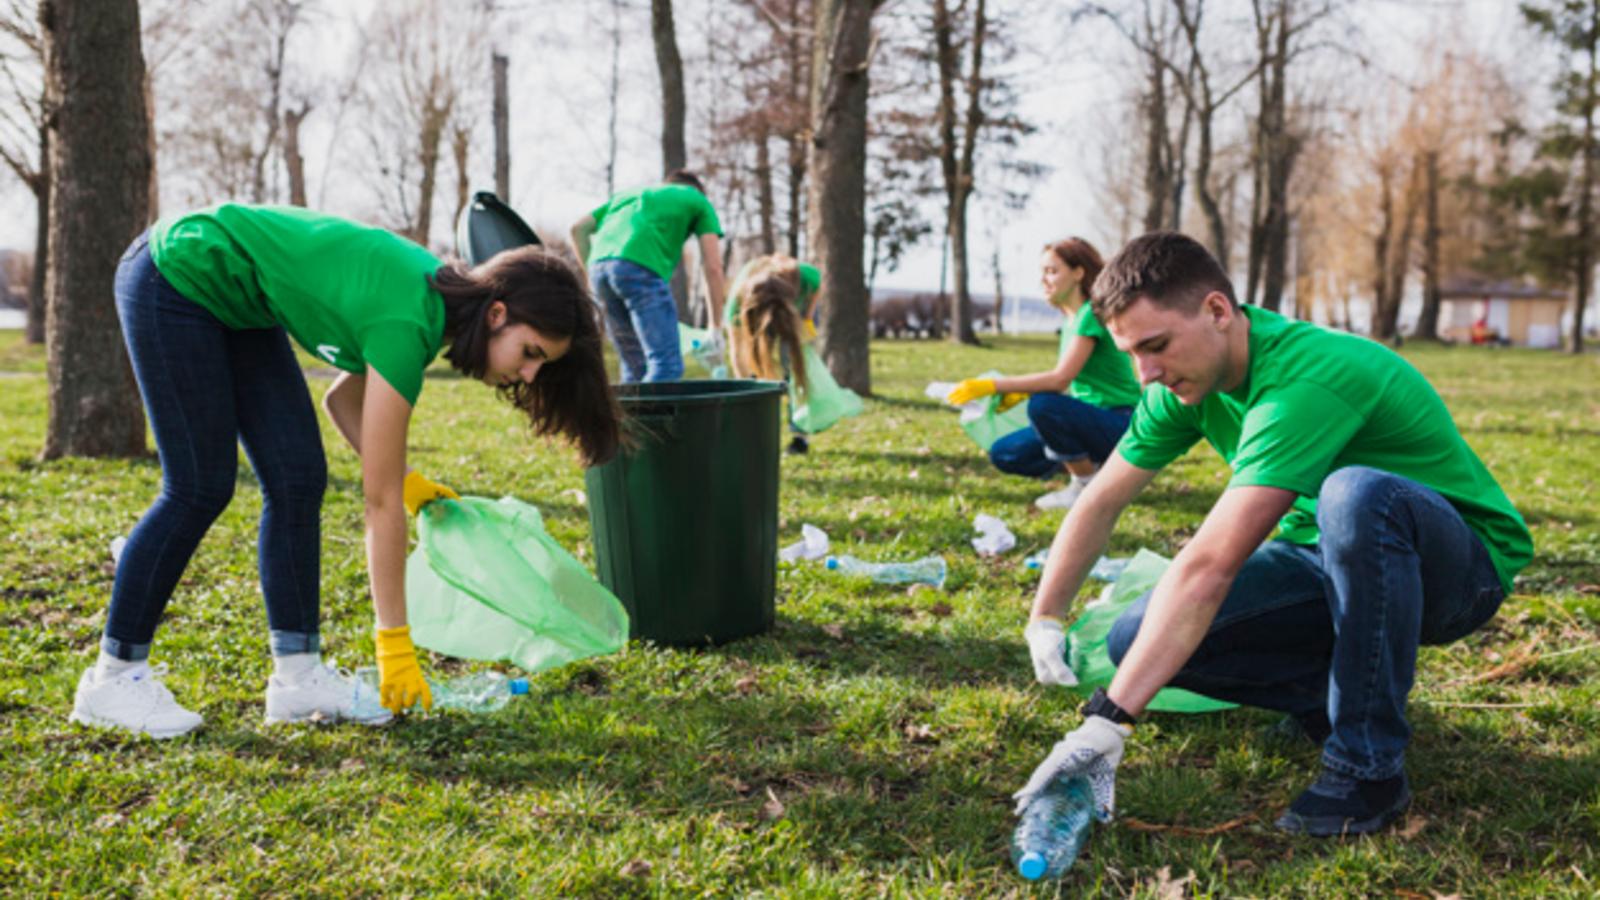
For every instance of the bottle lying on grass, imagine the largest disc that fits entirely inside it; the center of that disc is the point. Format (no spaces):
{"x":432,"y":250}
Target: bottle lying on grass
{"x":478,"y":692}
{"x":929,"y":570}
{"x":1054,"y":828}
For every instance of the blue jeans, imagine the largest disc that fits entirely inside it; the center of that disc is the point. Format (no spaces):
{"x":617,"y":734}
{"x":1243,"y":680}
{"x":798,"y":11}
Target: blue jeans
{"x":1064,"y":428}
{"x":1335,"y":627}
{"x":643,"y":320}
{"x":207,"y":388}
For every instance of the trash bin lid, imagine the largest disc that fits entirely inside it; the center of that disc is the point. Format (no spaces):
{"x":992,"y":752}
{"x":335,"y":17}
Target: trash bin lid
{"x":693,"y":393}
{"x":488,"y":226}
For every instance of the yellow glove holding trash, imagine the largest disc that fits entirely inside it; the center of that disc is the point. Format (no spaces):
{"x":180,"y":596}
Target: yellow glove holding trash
{"x":1009,"y":400}
{"x":970,"y":390}
{"x":420,"y":491}
{"x":400,"y":681}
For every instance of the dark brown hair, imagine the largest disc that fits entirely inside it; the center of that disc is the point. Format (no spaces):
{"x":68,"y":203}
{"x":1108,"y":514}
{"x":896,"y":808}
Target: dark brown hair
{"x":1079,"y":254}
{"x":1169,"y":269}
{"x":768,"y":318}
{"x":571,"y":396}
{"x":684,"y":176}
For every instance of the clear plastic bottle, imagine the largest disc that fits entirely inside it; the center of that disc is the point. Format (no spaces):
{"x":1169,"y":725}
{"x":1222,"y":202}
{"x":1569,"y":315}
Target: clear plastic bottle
{"x":1053,"y":830}
{"x":477,"y":692}
{"x":1105,"y":568}
{"x":929,"y":570}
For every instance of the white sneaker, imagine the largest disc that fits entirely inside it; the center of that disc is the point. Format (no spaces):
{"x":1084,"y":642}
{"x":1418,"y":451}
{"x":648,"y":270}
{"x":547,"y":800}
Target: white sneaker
{"x":135,"y":700}
{"x":1064,"y":498}
{"x":324,"y":694}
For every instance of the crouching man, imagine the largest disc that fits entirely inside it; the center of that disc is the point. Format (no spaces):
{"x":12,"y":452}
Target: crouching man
{"x":1390,"y":534}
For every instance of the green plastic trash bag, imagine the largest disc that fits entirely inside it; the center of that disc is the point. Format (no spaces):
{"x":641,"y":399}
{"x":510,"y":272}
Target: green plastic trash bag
{"x":824,"y":402}
{"x":487,"y":582}
{"x":994,"y":424}
{"x":1086,"y":639}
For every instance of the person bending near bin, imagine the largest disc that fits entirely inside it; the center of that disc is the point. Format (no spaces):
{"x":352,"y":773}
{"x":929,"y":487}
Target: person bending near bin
{"x":1393,"y":534}
{"x":631,"y":245}
{"x":208,"y":301}
{"x":1078,"y":410}
{"x":768,"y":315}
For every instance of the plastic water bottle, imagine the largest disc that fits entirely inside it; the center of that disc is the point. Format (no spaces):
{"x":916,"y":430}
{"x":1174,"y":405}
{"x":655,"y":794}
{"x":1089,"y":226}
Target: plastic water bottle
{"x":929,"y":570}
{"x":1054,"y":828}
{"x":1105,"y":568}
{"x":478,"y":692}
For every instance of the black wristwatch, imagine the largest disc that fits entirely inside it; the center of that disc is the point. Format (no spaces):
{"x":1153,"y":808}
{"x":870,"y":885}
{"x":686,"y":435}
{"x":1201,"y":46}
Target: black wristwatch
{"x":1102,"y":705}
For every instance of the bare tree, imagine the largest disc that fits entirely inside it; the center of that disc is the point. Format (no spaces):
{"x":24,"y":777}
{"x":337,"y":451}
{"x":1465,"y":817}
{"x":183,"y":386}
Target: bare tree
{"x":25,"y":139}
{"x":674,"y":109}
{"x":836,"y":223}
{"x":502,"y":128}
{"x":99,"y":190}
{"x":424,"y":77}
{"x":956,"y":151}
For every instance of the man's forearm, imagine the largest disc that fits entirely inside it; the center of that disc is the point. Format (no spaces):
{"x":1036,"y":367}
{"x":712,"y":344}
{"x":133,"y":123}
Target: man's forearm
{"x":1078,"y":543}
{"x":1179,"y":614}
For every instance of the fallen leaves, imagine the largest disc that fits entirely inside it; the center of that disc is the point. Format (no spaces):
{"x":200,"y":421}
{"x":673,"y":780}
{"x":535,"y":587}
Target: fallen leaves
{"x":773,"y":809}
{"x":1165,"y":888}
{"x":635,"y":868}
{"x":1185,"y":830}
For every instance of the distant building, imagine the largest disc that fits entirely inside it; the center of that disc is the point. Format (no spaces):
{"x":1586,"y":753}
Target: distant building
{"x":1508,"y":312}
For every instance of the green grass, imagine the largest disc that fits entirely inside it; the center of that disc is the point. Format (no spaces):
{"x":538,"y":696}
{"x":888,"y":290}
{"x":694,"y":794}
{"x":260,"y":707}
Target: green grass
{"x":890,"y":726}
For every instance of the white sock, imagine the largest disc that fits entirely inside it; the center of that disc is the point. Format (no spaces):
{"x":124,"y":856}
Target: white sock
{"x":108,"y":666}
{"x":292,"y":666}
{"x":1083,"y":480}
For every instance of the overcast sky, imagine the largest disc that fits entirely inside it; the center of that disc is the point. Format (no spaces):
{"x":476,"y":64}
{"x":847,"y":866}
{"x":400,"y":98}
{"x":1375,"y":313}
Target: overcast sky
{"x":558,"y":71}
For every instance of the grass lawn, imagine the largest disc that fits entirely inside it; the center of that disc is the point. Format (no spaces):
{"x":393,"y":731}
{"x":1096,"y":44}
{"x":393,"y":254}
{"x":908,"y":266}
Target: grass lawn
{"x":865,"y":747}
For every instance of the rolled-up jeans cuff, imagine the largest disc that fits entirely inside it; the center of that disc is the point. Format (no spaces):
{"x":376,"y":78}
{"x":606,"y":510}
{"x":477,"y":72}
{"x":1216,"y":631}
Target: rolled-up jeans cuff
{"x":285,"y":643}
{"x":123,"y":650}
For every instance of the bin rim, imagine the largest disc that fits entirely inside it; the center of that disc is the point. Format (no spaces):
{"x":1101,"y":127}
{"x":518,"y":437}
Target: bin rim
{"x":698,"y":392}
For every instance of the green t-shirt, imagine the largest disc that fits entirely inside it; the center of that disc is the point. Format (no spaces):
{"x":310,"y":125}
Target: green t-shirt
{"x":810,"y":283}
{"x":1106,"y":379}
{"x":350,"y":294}
{"x":1315,"y":401}
{"x":648,"y":226}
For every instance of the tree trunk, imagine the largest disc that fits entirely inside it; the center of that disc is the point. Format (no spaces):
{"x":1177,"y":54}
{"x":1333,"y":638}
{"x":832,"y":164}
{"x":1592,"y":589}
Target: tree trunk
{"x":999,"y":289}
{"x":433,"y":124}
{"x":836,"y":216}
{"x":799,"y":81}
{"x":1380,"y":246}
{"x":1428,"y":321}
{"x":956,"y":152}
{"x":502,"y":129}
{"x":765,"y":201}
{"x":1157,"y":173}
{"x":1585,"y":262}
{"x":153,"y":190}
{"x":37,"y":302}
{"x":460,"y":150}
{"x":674,"y":109}
{"x":293,"y":161}
{"x":99,"y":196}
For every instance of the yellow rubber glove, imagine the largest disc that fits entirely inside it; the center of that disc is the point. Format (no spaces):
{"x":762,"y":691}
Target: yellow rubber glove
{"x":1009,"y":400}
{"x":419,"y":491}
{"x":400,"y":681}
{"x":970,"y":390}
{"x":809,"y":331}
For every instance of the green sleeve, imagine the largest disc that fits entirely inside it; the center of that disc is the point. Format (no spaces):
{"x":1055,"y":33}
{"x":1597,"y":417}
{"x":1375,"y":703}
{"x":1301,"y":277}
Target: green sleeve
{"x":810,"y":281}
{"x":705,"y":220}
{"x":1085,"y":323}
{"x":1290,"y":438}
{"x":1161,"y":430}
{"x":599,"y":212}
{"x":399,"y":351}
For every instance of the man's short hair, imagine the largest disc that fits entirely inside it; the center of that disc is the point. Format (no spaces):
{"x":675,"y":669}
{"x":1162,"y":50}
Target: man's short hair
{"x":1169,"y":269}
{"x":684,"y":176}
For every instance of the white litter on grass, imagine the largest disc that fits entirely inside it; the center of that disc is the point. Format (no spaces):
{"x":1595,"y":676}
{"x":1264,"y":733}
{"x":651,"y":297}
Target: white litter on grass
{"x":813,"y":544}
{"x":117,"y":543}
{"x":993,"y":537}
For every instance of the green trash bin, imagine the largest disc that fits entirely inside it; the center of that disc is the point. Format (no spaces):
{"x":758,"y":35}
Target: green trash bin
{"x":685,"y":523}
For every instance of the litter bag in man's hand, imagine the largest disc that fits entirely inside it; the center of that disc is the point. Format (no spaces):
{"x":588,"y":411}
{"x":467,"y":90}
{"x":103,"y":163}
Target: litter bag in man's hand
{"x":487,"y":582}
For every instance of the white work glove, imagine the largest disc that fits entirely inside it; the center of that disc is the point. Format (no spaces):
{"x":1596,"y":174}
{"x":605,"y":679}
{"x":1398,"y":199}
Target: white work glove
{"x":1047,"y":642}
{"x":1093,"y":750}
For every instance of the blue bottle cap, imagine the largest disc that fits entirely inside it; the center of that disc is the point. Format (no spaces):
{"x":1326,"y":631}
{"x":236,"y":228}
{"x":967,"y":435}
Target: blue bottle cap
{"x":519,"y":686}
{"x":833,"y":562}
{"x":1032,"y":865}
